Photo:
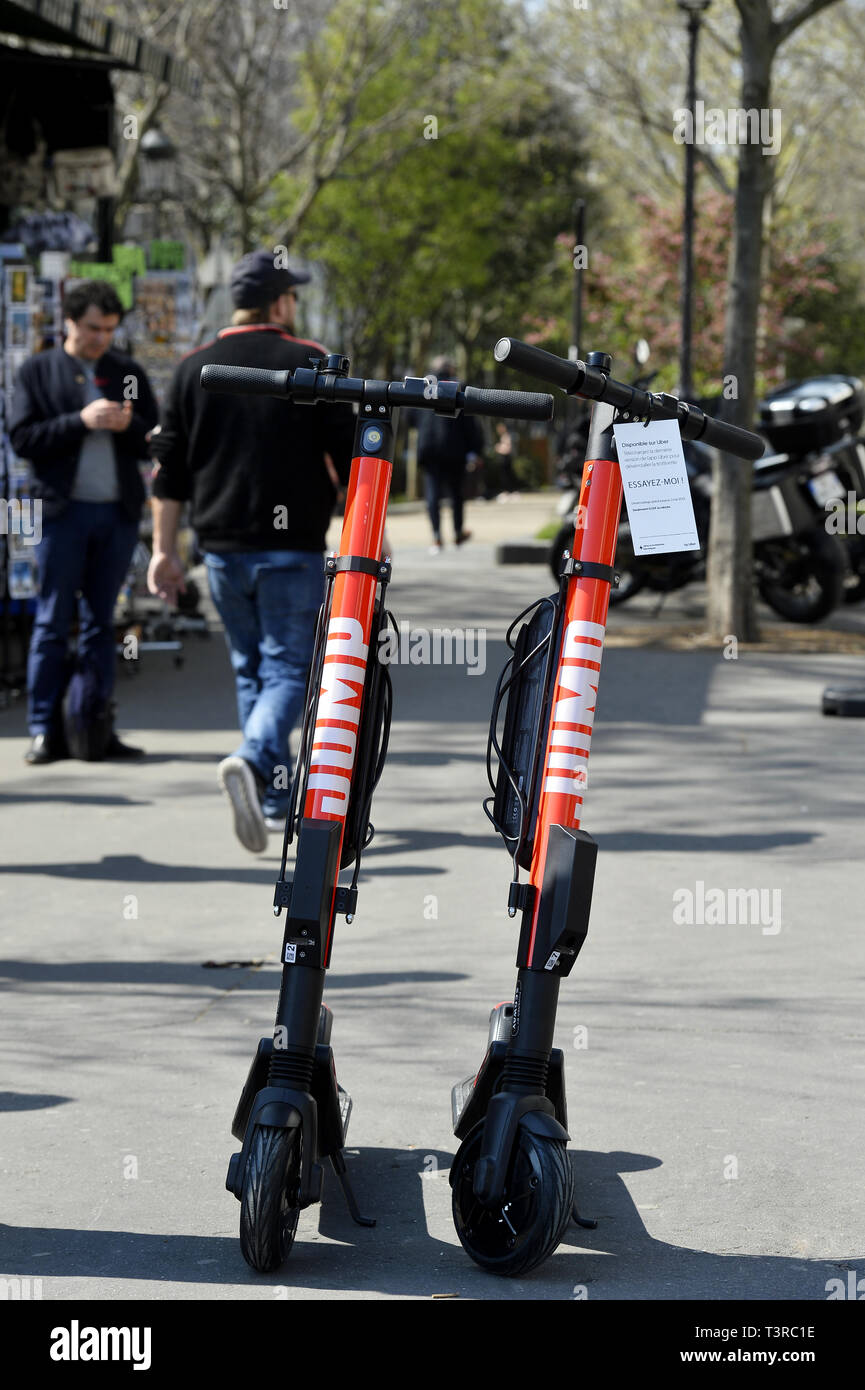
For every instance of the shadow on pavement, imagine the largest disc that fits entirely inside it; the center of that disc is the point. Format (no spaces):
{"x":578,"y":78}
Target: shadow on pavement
{"x":131,"y":868}
{"x":643,"y":841}
{"x":425,"y":841}
{"x":18,"y":1100}
{"x":620,"y":1259}
{"x":639,"y":686}
{"x":72,"y":799}
{"x":191,"y":973}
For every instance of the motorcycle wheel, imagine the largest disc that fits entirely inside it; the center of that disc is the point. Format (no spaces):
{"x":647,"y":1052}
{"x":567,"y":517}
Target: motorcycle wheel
{"x":802,"y":577}
{"x":524,"y":1228}
{"x":630,"y":579}
{"x":854,"y":583}
{"x":630,"y":583}
{"x":268,"y":1202}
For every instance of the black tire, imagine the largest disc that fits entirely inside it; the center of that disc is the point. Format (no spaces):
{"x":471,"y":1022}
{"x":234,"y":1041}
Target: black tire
{"x":631,"y":575}
{"x":630,"y":583}
{"x":854,"y":580}
{"x":268,"y":1202}
{"x":802,"y":578}
{"x":525,"y":1228}
{"x":854,"y":592}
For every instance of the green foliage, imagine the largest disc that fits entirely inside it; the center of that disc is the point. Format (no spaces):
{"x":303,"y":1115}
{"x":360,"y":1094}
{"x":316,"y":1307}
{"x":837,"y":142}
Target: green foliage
{"x":529,"y":471}
{"x":440,"y":234}
{"x":812,"y":316}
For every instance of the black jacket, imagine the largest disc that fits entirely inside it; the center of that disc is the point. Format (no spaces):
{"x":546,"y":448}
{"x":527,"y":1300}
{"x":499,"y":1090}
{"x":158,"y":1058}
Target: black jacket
{"x":252,"y":466}
{"x":444,"y":441}
{"x":46,"y":427}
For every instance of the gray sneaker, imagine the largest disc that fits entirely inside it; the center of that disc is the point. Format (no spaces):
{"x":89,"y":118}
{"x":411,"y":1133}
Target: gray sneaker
{"x":237,"y":780}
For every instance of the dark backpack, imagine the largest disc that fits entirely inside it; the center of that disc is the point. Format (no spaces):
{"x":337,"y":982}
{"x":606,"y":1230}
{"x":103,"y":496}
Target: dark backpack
{"x":87,"y":717}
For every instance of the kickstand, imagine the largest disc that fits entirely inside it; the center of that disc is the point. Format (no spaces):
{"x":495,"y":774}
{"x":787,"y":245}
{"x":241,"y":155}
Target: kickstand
{"x":585,"y":1222}
{"x":338,"y":1161}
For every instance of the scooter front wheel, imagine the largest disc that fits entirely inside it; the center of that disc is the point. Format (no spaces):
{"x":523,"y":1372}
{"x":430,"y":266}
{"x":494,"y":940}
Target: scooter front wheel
{"x":524,"y":1228}
{"x":269,"y":1200}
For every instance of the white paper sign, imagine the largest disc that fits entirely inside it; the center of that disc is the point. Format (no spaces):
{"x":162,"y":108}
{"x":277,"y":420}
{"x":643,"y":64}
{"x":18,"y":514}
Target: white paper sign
{"x":655,"y":484}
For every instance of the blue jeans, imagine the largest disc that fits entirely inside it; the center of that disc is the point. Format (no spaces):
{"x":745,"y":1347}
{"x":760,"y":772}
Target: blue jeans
{"x":83,"y":558}
{"x":268,"y":601}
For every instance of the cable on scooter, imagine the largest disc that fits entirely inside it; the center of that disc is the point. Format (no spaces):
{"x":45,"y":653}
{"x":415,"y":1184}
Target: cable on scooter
{"x":503,"y":686}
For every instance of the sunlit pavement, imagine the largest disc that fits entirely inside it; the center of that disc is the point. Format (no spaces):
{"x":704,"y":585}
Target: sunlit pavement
{"x":714,"y":1067}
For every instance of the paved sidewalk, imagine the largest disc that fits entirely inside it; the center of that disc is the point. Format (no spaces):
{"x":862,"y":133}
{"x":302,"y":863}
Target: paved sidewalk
{"x":713,"y":1070}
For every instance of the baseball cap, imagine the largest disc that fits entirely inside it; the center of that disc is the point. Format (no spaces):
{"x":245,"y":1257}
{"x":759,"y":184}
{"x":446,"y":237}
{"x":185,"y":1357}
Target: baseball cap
{"x":258,"y":279}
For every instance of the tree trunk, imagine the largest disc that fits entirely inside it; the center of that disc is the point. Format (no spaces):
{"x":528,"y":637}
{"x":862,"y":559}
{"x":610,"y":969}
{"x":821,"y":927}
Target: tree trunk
{"x":731,"y":599}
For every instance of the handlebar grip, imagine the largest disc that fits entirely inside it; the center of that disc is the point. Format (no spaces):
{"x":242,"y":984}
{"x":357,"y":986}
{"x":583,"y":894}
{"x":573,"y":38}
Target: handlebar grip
{"x":536,"y":362}
{"x":244,"y":381}
{"x":508,"y":405}
{"x":732,"y":438}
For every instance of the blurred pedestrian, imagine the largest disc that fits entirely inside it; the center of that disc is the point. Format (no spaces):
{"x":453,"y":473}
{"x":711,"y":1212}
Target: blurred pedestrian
{"x":80,"y":416}
{"x":445,"y":447}
{"x":504,"y":451}
{"x":255,"y":472}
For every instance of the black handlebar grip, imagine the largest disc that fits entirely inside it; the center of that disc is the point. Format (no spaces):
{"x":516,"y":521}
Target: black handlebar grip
{"x":732,"y":438}
{"x":245,"y":381}
{"x":508,"y":405}
{"x":536,"y":362}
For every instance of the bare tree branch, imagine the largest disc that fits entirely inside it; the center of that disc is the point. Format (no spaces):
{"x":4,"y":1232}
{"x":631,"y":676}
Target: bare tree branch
{"x":783,"y":28}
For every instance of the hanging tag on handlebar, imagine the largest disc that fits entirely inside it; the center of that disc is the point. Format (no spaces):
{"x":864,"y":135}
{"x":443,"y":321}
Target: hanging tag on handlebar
{"x":656,"y":488}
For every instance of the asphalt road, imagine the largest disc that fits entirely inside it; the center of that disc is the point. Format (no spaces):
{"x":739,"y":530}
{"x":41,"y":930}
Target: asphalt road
{"x":714,"y":1070}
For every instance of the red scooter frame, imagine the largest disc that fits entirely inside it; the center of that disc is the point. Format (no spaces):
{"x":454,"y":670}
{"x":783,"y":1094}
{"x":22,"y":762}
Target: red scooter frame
{"x":512,"y":1181}
{"x":291,"y":1112}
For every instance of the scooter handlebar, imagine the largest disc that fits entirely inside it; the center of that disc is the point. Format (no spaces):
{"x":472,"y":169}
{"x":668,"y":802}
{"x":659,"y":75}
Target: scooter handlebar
{"x":579,"y":379}
{"x":731,"y":438}
{"x":507,"y":405}
{"x":534,"y":361}
{"x":245,"y":381}
{"x":307,"y":385}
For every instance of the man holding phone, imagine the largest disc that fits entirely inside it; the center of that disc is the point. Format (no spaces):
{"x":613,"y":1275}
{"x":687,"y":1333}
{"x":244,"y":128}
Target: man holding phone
{"x":80,"y":416}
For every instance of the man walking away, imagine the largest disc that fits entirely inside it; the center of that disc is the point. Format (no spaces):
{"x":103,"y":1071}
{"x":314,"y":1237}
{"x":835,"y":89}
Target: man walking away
{"x":444,"y":447}
{"x":253,"y":469}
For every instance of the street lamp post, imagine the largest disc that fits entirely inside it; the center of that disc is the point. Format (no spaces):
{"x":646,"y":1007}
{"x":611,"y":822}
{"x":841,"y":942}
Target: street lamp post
{"x":694,"y":10}
{"x":157,"y":171}
{"x":577,"y":296}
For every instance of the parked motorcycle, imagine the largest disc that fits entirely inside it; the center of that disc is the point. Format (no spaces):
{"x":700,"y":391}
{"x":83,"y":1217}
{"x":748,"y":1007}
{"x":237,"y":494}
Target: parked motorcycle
{"x":817,"y":422}
{"x":799,"y":567}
